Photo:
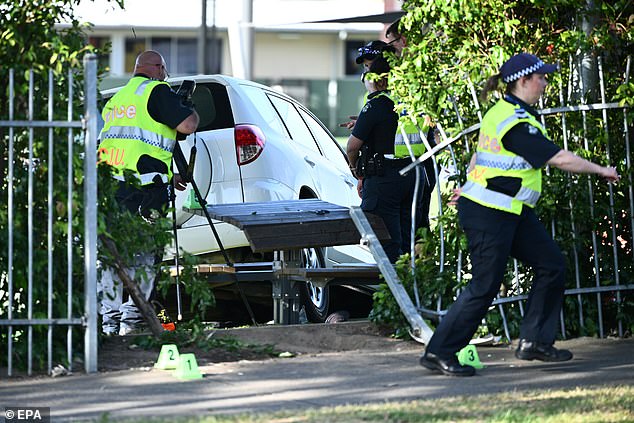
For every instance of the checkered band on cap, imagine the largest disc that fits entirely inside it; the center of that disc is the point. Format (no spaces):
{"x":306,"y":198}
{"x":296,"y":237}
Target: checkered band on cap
{"x":524,"y":64}
{"x":370,"y":51}
{"x":365,"y":50}
{"x":523,"y":72}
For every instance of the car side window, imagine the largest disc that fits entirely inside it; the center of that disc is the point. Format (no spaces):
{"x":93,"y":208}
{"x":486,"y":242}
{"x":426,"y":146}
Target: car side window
{"x":294,"y":122}
{"x":329,"y":146}
{"x":211,"y":101}
{"x":263,"y":105}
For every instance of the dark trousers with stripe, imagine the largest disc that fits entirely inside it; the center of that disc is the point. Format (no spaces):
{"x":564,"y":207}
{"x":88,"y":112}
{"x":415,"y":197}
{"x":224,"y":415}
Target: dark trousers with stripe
{"x":494,"y":236}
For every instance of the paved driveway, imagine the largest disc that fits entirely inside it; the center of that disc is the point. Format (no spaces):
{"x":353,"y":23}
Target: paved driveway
{"x":314,"y":380}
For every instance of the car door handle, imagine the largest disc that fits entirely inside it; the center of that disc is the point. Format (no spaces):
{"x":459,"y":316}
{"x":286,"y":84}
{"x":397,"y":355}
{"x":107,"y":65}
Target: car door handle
{"x":309,"y":161}
{"x":347,"y":181}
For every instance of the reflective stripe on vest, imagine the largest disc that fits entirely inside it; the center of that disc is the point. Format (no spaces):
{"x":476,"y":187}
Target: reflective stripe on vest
{"x":503,"y":201}
{"x":493,"y":160}
{"x":409,"y":132}
{"x":143,"y":135}
{"x":511,"y":120}
{"x":502,"y":162}
{"x":130,"y":132}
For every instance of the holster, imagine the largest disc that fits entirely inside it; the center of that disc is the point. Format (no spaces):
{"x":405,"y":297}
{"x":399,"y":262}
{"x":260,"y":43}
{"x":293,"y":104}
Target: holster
{"x":370,"y":163}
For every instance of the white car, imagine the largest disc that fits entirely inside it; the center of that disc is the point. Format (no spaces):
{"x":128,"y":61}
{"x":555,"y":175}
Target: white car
{"x":256,"y":144}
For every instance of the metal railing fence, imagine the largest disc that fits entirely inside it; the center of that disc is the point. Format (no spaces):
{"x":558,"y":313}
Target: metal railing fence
{"x":39,"y":289}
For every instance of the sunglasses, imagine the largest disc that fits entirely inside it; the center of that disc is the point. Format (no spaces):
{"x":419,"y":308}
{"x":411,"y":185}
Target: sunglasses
{"x":160,"y":65}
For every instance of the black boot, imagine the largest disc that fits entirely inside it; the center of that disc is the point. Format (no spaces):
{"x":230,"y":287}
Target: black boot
{"x":531,"y":350}
{"x":449,"y":367}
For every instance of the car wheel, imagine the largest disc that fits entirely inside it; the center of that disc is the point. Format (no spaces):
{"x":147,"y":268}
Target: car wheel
{"x":315,"y":299}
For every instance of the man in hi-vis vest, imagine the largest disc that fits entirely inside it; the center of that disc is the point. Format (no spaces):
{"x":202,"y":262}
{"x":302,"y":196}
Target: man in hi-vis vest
{"x":141,"y":123}
{"x":409,"y":142}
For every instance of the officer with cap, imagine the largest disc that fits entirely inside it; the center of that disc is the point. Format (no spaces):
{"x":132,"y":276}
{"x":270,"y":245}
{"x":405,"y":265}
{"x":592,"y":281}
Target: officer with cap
{"x":366,"y":56}
{"x":369,"y":52}
{"x":496,"y":211}
{"x":370,"y":151}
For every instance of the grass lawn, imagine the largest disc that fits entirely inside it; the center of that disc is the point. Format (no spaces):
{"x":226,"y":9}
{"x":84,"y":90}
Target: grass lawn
{"x":606,"y":404}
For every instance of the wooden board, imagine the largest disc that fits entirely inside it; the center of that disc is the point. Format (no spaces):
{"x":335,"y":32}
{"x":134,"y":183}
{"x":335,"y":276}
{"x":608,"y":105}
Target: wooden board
{"x":291,"y":224}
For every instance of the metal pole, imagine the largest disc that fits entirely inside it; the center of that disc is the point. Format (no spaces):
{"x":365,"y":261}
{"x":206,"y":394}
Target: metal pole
{"x":595,"y":248}
{"x":30,"y":196}
{"x":202,"y":40}
{"x":628,"y":156}
{"x":49,"y":334}
{"x":573,"y":226}
{"x":70,"y":213}
{"x":615,"y":241}
{"x":10,"y":229}
{"x":247,"y":37}
{"x":215,"y":45}
{"x":90,"y":207}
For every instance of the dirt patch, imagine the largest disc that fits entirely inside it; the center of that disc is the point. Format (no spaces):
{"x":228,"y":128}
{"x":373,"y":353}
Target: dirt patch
{"x":123,"y":352}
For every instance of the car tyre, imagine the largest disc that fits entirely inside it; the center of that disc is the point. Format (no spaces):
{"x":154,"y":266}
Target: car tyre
{"x":315,"y":299}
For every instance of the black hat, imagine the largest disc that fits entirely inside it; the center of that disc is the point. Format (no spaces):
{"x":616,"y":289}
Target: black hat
{"x":370,"y":51}
{"x":524,"y":64}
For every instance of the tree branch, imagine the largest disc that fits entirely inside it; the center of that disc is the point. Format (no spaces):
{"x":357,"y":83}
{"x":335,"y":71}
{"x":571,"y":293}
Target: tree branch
{"x":133,"y":289}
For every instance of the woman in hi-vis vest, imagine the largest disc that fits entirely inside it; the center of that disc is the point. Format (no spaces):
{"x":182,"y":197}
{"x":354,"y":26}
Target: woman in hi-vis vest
{"x":496,"y":211}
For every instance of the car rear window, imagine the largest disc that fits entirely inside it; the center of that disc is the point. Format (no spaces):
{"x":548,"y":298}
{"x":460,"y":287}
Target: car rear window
{"x":264,"y":107}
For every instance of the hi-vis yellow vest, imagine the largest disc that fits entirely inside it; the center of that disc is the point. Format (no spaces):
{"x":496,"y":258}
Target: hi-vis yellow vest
{"x":493,"y":160}
{"x":129,"y":132}
{"x":409,"y":129}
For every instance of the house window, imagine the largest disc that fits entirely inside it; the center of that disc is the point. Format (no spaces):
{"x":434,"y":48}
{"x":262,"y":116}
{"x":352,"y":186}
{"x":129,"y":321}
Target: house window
{"x":180,"y":54}
{"x":164,"y":46}
{"x":133,"y":47}
{"x":214,"y":55}
{"x":187,"y":56}
{"x":103,"y":46}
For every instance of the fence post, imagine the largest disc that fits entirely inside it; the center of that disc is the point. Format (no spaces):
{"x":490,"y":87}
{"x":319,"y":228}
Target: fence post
{"x":90,"y":203}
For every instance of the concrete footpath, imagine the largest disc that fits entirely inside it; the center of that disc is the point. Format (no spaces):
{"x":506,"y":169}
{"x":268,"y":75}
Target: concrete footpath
{"x":314,"y":380}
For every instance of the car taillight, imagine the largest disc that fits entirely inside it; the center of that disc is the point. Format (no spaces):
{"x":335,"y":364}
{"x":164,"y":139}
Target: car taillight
{"x":250,"y":142}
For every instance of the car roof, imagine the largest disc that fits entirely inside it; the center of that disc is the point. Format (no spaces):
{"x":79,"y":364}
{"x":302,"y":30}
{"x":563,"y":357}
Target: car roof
{"x":225,"y":80}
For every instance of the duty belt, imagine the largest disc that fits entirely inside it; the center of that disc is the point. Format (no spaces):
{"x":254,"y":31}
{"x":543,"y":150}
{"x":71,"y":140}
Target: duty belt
{"x":147,"y":178}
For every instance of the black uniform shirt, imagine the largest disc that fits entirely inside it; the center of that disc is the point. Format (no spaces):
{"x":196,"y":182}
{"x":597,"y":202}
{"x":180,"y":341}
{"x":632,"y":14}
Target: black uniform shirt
{"x":165,"y":106}
{"x":376,"y":124}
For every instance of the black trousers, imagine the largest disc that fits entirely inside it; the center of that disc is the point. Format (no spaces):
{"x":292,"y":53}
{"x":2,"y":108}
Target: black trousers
{"x":143,"y":199}
{"x":390,"y":197}
{"x":492,"y":237}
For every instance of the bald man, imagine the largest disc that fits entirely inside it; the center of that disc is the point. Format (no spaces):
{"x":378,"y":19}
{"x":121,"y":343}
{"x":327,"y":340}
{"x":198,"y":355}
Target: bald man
{"x":142,"y":122}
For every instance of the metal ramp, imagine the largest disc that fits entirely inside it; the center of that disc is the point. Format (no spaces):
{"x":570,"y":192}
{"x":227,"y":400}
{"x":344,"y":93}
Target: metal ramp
{"x":420,"y":331}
